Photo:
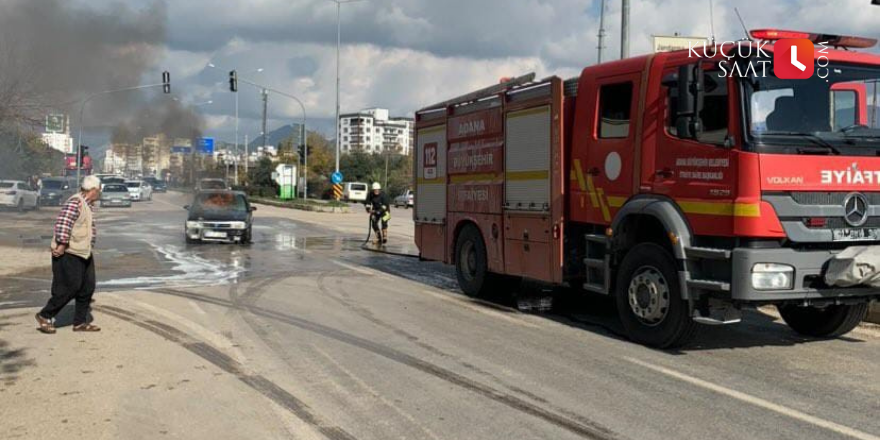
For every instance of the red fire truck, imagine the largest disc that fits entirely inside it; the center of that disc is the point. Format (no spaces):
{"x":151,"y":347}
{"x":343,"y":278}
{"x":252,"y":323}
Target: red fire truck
{"x":688,"y":187}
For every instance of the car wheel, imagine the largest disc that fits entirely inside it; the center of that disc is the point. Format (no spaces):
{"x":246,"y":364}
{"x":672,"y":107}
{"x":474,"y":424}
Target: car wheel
{"x":828,"y":322}
{"x":649,"y":298}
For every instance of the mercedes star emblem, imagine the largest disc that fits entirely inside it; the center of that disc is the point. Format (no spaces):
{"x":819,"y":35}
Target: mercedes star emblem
{"x":855,"y":209}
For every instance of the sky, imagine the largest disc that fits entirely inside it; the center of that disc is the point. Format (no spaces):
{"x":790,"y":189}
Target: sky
{"x":406,"y":54}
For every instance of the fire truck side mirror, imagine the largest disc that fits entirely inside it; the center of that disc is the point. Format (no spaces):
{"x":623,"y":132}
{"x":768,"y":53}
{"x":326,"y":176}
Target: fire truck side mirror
{"x":690,"y":101}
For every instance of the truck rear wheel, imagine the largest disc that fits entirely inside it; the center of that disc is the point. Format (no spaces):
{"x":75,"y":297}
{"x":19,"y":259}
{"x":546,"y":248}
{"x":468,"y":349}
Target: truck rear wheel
{"x":472,"y":267}
{"x":827,"y":322}
{"x":649,"y":298}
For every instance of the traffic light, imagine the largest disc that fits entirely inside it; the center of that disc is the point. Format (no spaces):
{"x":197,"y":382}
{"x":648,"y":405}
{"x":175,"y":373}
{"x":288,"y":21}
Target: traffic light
{"x":301,"y":151}
{"x":233,"y":81}
{"x":166,"y":82}
{"x":81,"y":154}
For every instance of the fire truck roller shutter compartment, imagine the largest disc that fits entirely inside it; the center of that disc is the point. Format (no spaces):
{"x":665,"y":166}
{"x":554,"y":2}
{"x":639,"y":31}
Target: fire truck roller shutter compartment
{"x":527,"y":193}
{"x":430,"y":201}
{"x":527,"y":160}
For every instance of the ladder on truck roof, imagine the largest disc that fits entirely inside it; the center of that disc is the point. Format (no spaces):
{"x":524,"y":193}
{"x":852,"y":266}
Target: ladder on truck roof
{"x":482,"y":93}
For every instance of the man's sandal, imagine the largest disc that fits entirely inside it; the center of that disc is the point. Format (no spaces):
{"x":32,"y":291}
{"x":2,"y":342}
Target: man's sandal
{"x":45,"y":325}
{"x":86,"y":328}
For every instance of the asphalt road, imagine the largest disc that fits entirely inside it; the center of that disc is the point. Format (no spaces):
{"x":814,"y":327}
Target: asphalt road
{"x":359,"y":345}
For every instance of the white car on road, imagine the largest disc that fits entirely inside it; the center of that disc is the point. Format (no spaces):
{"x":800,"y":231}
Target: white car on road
{"x":404,"y":200}
{"x":17,"y":194}
{"x":139,"y":190}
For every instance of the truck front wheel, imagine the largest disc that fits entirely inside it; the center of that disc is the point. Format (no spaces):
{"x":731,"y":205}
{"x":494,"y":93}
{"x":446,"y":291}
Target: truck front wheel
{"x":826,"y":322}
{"x":649,"y":298}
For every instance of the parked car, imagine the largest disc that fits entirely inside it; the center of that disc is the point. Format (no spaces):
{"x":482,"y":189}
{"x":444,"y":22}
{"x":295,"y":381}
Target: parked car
{"x":405,"y":200}
{"x":354,"y":192}
{"x":211,"y":184}
{"x":219,"y":216}
{"x":111,"y":180}
{"x":18,"y":194}
{"x":158,"y":185}
{"x":116,"y":194}
{"x":139,"y":190}
{"x":54,"y":191}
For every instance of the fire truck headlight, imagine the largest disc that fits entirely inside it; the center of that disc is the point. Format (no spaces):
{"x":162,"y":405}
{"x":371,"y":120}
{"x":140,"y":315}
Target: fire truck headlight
{"x":772,"y":276}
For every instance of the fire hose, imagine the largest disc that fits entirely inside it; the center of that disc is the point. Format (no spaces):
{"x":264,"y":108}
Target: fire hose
{"x":379,"y":250}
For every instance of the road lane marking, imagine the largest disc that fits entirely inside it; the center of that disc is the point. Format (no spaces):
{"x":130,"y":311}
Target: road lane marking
{"x":757,"y":401}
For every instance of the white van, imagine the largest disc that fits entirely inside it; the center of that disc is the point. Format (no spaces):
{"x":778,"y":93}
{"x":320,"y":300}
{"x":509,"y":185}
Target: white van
{"x":355,"y":192}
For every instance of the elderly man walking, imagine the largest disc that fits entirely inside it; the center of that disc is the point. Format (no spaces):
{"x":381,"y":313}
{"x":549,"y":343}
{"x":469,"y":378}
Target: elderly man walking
{"x":73,"y":266}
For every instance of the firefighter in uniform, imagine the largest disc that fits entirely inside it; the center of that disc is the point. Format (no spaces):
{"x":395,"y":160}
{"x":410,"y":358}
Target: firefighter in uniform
{"x":379,"y":208}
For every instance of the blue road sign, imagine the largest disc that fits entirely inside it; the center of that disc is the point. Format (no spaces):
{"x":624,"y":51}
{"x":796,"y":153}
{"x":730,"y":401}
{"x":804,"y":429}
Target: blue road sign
{"x":206,"y":145}
{"x":336,"y":177}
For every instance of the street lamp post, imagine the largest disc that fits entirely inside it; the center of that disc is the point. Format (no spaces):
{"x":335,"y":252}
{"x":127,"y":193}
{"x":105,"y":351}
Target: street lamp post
{"x":82,"y":109}
{"x":339,"y":4}
{"x":305,"y":132}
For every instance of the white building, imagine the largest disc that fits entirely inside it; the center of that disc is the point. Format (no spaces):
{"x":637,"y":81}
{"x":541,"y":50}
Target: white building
{"x":373,"y":131}
{"x":113,"y":163}
{"x":59,"y":141}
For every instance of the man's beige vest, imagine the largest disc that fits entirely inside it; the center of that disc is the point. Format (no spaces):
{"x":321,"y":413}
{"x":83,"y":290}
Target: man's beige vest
{"x":81,"y":235}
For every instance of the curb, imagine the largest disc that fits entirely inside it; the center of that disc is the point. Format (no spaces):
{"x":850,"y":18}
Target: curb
{"x":302,"y":207}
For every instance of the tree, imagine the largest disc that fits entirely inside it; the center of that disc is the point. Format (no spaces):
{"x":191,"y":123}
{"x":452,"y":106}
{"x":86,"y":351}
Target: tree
{"x":261,"y":175}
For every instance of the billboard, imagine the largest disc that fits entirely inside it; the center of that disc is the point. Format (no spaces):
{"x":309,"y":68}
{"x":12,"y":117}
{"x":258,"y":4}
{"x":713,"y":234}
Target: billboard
{"x":206,"y":145}
{"x":55,"y":124}
{"x":664,"y":43}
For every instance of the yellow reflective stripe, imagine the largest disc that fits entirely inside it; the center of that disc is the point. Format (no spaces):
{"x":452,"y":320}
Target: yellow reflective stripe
{"x":437,"y":181}
{"x":726,"y":209}
{"x":592,"y":190}
{"x":605,"y":213}
{"x":527,"y":175}
{"x":579,"y":173}
{"x":432,"y":130}
{"x":528,"y":112}
{"x":474,"y":178}
{"x":616,"y":202}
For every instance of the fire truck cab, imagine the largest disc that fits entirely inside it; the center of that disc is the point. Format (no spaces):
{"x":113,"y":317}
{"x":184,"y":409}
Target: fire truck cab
{"x":688,"y":187}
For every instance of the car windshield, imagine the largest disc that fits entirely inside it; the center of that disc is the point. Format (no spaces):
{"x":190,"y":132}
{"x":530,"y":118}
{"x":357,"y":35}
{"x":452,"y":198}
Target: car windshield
{"x":6,"y":184}
{"x":837,"y":114}
{"x":110,"y":180}
{"x":220,"y":202}
{"x":359,"y":187}
{"x":53,"y":184}
{"x":133,"y":184}
{"x":115,"y":188}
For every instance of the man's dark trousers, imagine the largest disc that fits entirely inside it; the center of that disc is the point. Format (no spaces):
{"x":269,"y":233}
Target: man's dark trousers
{"x":72,"y":278}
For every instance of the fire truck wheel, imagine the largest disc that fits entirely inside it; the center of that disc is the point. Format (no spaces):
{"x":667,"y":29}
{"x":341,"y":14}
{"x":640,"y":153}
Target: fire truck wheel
{"x":471,"y":266}
{"x":827,"y":322}
{"x":649,"y":299}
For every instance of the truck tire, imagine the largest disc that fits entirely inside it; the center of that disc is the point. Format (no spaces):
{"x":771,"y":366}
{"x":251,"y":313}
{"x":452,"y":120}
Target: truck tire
{"x":649,"y":299}
{"x":829,"y":322}
{"x":471,"y":264}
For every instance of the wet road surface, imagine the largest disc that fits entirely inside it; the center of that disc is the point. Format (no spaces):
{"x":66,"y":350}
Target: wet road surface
{"x":361,"y":345}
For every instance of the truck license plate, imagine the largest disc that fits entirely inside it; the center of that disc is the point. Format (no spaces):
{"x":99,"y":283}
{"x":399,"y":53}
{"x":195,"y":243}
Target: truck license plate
{"x":215,"y":234}
{"x":864,"y":234}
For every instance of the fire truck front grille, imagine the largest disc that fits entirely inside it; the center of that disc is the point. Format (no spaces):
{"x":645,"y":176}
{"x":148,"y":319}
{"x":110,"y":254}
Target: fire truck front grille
{"x":828,"y":198}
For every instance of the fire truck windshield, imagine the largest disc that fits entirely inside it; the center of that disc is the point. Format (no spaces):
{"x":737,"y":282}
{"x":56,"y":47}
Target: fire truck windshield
{"x":837,"y":114}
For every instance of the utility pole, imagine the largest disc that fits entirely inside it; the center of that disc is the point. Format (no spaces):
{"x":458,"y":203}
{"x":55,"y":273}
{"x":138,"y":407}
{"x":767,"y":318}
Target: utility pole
{"x":601,"y":30}
{"x":265,"y":109}
{"x":338,"y":44}
{"x":624,"y":30}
